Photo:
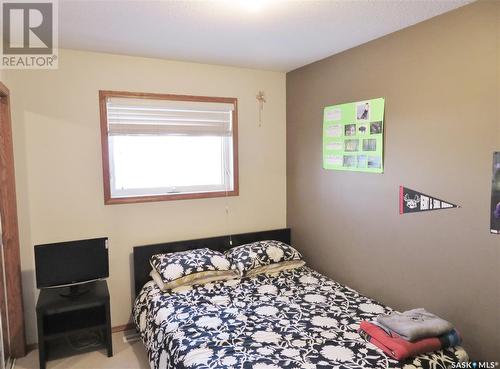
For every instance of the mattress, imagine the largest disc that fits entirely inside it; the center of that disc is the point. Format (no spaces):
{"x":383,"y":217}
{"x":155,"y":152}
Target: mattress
{"x":294,"y":319}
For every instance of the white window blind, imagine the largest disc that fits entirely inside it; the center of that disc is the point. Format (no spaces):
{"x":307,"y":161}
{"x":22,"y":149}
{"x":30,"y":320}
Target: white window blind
{"x":128,"y":116}
{"x":167,"y":147}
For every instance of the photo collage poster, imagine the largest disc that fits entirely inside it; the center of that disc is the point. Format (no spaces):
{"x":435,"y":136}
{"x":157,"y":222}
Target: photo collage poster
{"x":353,"y":136}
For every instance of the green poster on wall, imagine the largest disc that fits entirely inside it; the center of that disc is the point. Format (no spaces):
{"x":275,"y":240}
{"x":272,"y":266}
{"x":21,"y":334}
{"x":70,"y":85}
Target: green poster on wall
{"x":353,"y":136}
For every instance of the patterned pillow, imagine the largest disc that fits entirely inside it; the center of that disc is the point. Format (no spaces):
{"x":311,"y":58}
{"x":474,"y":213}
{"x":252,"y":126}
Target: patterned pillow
{"x":261,"y":253}
{"x":202,"y":278}
{"x":198,"y":278}
{"x":273,"y":269}
{"x":176,"y":265}
{"x":157,"y":279}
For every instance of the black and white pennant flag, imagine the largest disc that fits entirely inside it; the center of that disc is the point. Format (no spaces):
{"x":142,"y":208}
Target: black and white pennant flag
{"x":411,"y":201}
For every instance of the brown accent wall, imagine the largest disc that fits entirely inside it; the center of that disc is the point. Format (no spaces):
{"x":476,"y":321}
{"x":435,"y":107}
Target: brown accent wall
{"x":440,"y":79}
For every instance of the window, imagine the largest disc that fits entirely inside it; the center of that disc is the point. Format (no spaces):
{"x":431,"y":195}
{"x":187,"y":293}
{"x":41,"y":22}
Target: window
{"x":159,"y":147}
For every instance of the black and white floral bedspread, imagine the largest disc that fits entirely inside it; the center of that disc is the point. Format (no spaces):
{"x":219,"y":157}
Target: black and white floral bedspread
{"x":296,"y":319}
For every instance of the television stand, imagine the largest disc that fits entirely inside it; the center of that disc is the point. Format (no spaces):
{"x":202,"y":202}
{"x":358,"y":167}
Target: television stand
{"x":75,"y":291}
{"x":61,"y":320}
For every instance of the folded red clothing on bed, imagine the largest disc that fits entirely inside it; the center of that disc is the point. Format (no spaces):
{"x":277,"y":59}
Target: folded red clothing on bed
{"x":399,"y":348}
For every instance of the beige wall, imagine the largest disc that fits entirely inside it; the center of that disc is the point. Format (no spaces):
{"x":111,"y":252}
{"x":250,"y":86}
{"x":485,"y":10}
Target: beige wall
{"x":440,"y":82}
{"x":58,"y":161}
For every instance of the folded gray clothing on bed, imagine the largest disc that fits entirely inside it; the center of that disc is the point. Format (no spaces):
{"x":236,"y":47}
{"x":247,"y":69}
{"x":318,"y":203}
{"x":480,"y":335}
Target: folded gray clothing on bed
{"x":415,"y":324}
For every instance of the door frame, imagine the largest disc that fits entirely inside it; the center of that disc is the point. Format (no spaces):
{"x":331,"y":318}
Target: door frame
{"x":10,"y":232}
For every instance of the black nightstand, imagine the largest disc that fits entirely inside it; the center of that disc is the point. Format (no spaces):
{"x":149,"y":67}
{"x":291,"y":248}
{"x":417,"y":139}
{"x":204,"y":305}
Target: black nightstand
{"x":58,"y":317}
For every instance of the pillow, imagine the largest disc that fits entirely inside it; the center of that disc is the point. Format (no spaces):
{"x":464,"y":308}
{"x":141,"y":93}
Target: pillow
{"x":261,"y":253}
{"x":276,"y":268}
{"x":203,"y":278}
{"x":194,"y":279}
{"x":157,"y":279}
{"x":186,"y":267}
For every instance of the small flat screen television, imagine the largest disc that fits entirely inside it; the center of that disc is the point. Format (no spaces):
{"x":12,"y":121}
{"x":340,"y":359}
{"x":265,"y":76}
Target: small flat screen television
{"x":71,"y":263}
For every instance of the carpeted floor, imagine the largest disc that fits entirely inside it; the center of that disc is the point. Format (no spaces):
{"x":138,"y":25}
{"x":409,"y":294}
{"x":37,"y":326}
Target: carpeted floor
{"x":126,"y":356}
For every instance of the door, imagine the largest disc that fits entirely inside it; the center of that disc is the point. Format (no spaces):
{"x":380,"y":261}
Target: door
{"x":11,"y":303}
{"x":4,"y":335}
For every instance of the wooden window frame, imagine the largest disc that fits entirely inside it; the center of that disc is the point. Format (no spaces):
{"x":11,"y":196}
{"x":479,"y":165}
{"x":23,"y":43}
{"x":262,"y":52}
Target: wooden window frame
{"x":109,"y":200}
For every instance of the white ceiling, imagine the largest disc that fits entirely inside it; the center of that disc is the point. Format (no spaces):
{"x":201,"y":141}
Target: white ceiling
{"x":276,"y":35}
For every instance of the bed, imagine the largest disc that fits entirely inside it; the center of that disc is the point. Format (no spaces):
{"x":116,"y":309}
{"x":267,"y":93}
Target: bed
{"x":294,"y":319}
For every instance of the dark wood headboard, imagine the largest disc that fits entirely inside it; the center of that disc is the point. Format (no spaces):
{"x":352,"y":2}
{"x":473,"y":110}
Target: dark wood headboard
{"x":142,"y":254}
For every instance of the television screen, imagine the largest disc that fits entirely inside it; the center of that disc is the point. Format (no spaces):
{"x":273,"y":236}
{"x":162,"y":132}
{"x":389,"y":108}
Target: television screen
{"x":65,"y":263}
